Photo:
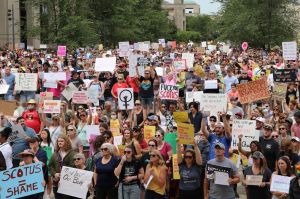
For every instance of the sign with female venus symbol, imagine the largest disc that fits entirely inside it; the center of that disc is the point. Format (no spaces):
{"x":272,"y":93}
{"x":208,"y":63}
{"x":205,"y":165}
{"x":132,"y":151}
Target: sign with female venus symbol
{"x":125,"y":98}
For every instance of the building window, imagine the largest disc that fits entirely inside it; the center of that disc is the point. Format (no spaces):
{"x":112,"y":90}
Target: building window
{"x":189,"y":11}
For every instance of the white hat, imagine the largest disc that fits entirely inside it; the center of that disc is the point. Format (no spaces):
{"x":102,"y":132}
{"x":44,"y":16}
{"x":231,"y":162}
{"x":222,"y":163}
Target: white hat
{"x":260,"y":119}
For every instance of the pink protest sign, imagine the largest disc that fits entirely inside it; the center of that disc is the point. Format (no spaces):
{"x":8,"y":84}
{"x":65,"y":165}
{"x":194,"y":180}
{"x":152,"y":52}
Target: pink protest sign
{"x":61,"y":51}
{"x":244,"y":45}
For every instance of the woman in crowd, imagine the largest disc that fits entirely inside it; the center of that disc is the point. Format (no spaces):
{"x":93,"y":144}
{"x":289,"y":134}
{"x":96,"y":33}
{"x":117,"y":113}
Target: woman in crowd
{"x":283,"y":134}
{"x":190,"y":172}
{"x":76,"y":142}
{"x":162,"y":114}
{"x":82,"y":129}
{"x":129,"y":172}
{"x":259,"y":168}
{"x":164,"y":148}
{"x":286,"y":150}
{"x":139,"y":137}
{"x":284,"y":168}
{"x":137,"y":115}
{"x":295,"y":141}
{"x":105,"y":181}
{"x":119,"y":84}
{"x":5,"y":147}
{"x":55,"y":127}
{"x":97,"y":86}
{"x":128,"y":140}
{"x":156,"y":172}
{"x":63,"y":156}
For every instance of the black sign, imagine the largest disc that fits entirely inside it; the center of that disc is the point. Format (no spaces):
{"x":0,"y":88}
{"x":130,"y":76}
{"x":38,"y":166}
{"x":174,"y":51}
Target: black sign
{"x":143,"y":61}
{"x":285,"y":75}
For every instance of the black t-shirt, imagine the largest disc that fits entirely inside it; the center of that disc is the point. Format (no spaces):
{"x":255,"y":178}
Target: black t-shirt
{"x":243,"y":80}
{"x":146,"y":87}
{"x":108,"y":84}
{"x":77,"y":82}
{"x":256,"y":191}
{"x":270,"y":149}
{"x":130,"y":169}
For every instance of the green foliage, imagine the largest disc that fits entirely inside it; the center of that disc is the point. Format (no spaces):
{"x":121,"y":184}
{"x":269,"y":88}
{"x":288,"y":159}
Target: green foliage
{"x":185,"y":36}
{"x":262,"y":23}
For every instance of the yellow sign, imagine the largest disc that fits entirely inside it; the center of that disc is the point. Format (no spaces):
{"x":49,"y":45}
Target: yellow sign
{"x":115,"y":127}
{"x":100,"y":46}
{"x":176,"y":175}
{"x":121,"y":149}
{"x":181,"y":117}
{"x":185,"y":133}
{"x":149,"y":132}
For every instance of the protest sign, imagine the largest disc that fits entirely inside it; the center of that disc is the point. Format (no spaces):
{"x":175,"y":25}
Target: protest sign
{"x":244,"y":45}
{"x":44,"y":96}
{"x":125,"y":98}
{"x":118,"y":140}
{"x":93,"y":94}
{"x":132,"y":63}
{"x":8,"y":107}
{"x":4,"y":88}
{"x":171,"y":139}
{"x":43,"y":46}
{"x":225,"y":48}
{"x":285,"y":75}
{"x":79,"y":97}
{"x":193,"y":96}
{"x":121,"y":149}
{"x":221,"y":178}
{"x":280,"y":183}
{"x":254,"y":180}
{"x":124,"y":49}
{"x":61,"y":51}
{"x":168,"y":92}
{"x":159,"y":71}
{"x":213,"y":103}
{"x":143,"y":61}
{"x":185,"y":133}
{"x":52,"y":78}
{"x":289,"y":50}
{"x":115,"y":127}
{"x":17,"y":132}
{"x":74,"y":182}
{"x":180,"y":117}
{"x":26,"y":82}
{"x":279,"y":90}
{"x":105,"y":64}
{"x":176,"y":175}
{"x":22,"y":181}
{"x":52,"y":106}
{"x":189,"y":57}
{"x":144,"y":47}
{"x":210,"y":84}
{"x":155,"y":46}
{"x":211,"y":47}
{"x":92,"y":130}
{"x":149,"y":132}
{"x":162,"y":42}
{"x":211,"y":169}
{"x":253,"y":91}
{"x":245,"y":128}
{"x":179,"y":64}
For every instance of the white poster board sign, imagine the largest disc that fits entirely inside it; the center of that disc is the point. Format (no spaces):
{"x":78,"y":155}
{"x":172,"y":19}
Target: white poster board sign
{"x":247,"y":129}
{"x":125,"y":98}
{"x":68,"y":92}
{"x":193,"y":96}
{"x":105,"y":64}
{"x":213,"y":103}
{"x":52,"y":106}
{"x":52,"y":78}
{"x":93,"y":94}
{"x":74,"y":182}
{"x":26,"y":81}
{"x":289,"y":50}
{"x":4,"y":88}
{"x":189,"y":57}
{"x":280,"y":183}
{"x":132,"y":63}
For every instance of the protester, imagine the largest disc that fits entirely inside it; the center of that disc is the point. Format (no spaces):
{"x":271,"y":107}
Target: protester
{"x":5,"y":147}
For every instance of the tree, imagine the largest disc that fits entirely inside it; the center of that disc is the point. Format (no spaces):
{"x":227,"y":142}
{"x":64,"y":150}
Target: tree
{"x":186,"y":36}
{"x":262,"y":23}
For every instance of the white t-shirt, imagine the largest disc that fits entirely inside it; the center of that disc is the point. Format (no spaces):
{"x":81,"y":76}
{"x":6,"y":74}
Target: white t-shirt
{"x":6,"y":150}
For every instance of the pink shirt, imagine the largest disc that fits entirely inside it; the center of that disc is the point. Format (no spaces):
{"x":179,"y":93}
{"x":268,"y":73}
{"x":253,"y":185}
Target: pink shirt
{"x":169,"y":81}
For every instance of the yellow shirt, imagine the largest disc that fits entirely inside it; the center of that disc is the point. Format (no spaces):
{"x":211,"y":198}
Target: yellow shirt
{"x":155,"y":187}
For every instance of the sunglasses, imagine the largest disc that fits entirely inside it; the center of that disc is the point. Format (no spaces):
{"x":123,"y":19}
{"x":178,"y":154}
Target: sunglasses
{"x":104,"y":149}
{"x":147,"y":73}
{"x":127,"y":152}
{"x":157,"y":136}
{"x":188,"y":157}
{"x":244,"y":73}
{"x":77,"y":159}
{"x":275,"y":136}
{"x":82,"y":115}
{"x":281,"y":128}
{"x":152,"y":155}
{"x":152,"y":145}
{"x":106,"y":137}
{"x":262,"y":74}
{"x":120,"y":79}
{"x":70,"y":129}
{"x":163,"y":106}
{"x":212,"y":120}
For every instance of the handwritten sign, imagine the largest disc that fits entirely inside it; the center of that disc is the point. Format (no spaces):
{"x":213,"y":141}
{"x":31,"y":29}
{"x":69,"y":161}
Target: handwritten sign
{"x":149,"y":132}
{"x":289,"y":50}
{"x":17,"y":132}
{"x":115,"y":127}
{"x":74,"y":182}
{"x":168,"y":92}
{"x":179,"y":64}
{"x":176,"y":175}
{"x":80,"y":97}
{"x":52,"y":78}
{"x":185,"y":133}
{"x":8,"y":107}
{"x":105,"y":64}
{"x":180,"y":117}
{"x":143,"y":61}
{"x":121,"y":149}
{"x":193,"y":96}
{"x":285,"y":75}
{"x":93,"y":94}
{"x":247,"y":129}
{"x":213,"y":102}
{"x":52,"y":106}
{"x":280,"y":183}
{"x":211,"y":169}
{"x":22,"y":181}
{"x":253,"y":91}
{"x":61,"y":51}
{"x":125,"y":98}
{"x":189,"y":57}
{"x":124,"y":49}
{"x":26,"y":82}
{"x":221,"y":178}
{"x":254,"y":180}
{"x":44,"y":96}
{"x":68,"y":92}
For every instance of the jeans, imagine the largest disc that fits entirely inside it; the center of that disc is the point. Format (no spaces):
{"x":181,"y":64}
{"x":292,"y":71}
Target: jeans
{"x":9,"y":97}
{"x":106,"y":193}
{"x":129,"y":191}
{"x":26,"y":96}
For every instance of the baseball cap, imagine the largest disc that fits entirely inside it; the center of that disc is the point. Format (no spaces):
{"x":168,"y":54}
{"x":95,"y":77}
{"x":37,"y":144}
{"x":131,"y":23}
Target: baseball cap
{"x":268,"y":127}
{"x":295,"y":139}
{"x":220,"y":124}
{"x":258,"y":154}
{"x":220,"y":145}
{"x":260,"y":119}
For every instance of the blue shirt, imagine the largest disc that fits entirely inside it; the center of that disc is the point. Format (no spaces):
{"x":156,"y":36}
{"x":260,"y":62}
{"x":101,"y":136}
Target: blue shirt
{"x":20,"y":144}
{"x":228,"y":81}
{"x":213,"y":139}
{"x":10,"y":80}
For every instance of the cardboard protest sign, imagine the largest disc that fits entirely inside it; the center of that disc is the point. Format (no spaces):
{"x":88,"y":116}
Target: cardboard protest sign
{"x":168,"y":92}
{"x":253,"y":91}
{"x":52,"y":78}
{"x":105,"y":64}
{"x":4,"y":88}
{"x":279,"y":90}
{"x":8,"y":107}
{"x":213,"y":103}
{"x":115,"y":127}
{"x":285,"y":75}
{"x":185,"y":133}
{"x":289,"y":50}
{"x":26,"y":81}
{"x":280,"y":183}
{"x":125,"y":98}
{"x":189,"y":57}
{"x":193,"y":96}
{"x":179,"y":64}
{"x":180,"y":117}
{"x":247,"y":129}
{"x":80,"y":97}
{"x":44,"y":96}
{"x":22,"y":181}
{"x":61,"y":51}
{"x":74,"y":182}
{"x":52,"y":106}
{"x":176,"y":175}
{"x":149,"y":132}
{"x":93,"y":94}
{"x":68,"y":92}
{"x":143,"y":61}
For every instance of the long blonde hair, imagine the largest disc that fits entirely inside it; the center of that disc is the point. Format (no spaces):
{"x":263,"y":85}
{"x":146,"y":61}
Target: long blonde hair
{"x":161,"y":161}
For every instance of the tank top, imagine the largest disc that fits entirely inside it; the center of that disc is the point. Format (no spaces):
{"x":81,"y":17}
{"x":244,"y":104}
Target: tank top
{"x":139,"y":117}
{"x":96,"y":87}
{"x":155,"y":187}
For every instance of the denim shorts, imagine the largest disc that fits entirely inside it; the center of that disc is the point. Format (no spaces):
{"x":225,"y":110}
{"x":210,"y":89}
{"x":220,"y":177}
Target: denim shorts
{"x":147,"y":102}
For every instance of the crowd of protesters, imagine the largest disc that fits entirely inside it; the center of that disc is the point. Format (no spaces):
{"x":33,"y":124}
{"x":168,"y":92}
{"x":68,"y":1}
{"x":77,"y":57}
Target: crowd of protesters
{"x":59,"y":140}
